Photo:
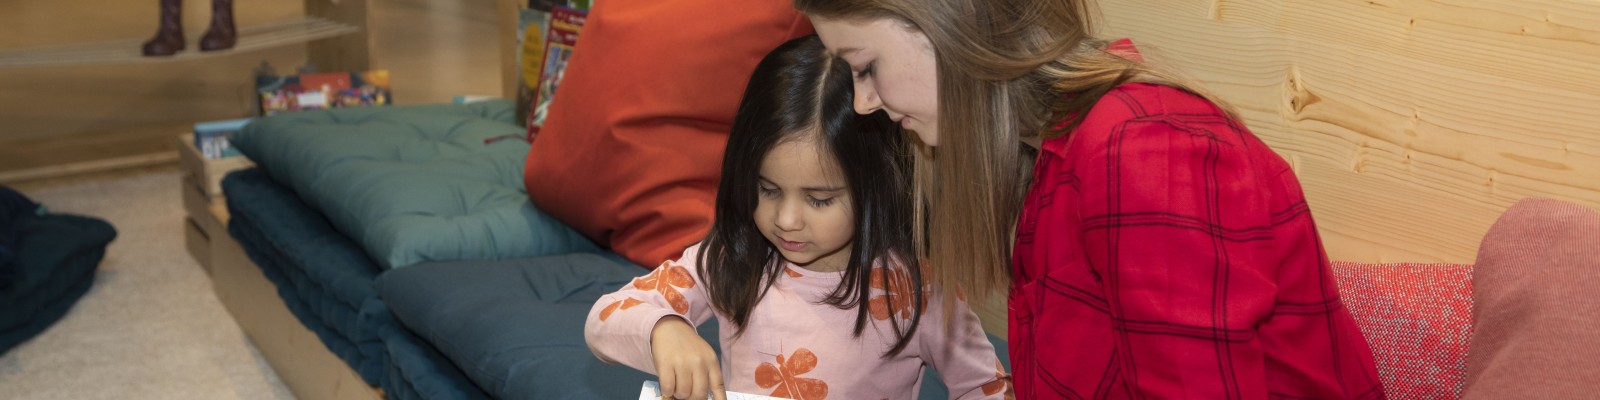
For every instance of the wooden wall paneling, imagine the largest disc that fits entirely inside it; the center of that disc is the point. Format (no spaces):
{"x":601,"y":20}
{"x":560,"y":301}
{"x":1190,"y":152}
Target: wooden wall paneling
{"x":351,"y":52}
{"x":507,"y":11}
{"x":1412,"y":124}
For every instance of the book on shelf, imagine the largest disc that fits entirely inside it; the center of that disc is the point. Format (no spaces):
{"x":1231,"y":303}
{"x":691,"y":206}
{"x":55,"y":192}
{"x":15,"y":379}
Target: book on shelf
{"x":547,"y":5}
{"x":212,"y":137}
{"x":315,"y":91}
{"x":470,"y":98}
{"x":561,"y":36}
{"x":531,"y":24}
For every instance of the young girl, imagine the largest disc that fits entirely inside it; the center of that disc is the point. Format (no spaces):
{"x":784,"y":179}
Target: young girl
{"x":803,"y":267}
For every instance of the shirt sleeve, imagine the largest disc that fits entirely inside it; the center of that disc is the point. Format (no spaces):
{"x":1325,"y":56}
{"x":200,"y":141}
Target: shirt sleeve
{"x":961,"y":352}
{"x":1176,"y":228}
{"x":619,"y":325}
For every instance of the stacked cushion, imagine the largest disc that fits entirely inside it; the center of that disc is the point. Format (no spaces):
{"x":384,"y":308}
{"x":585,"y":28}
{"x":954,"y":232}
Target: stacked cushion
{"x":417,"y":371}
{"x":413,"y":183}
{"x":630,"y":151}
{"x":324,"y":278}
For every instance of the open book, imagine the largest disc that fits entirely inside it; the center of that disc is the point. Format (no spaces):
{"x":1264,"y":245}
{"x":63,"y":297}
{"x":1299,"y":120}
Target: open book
{"x":652,"y":391}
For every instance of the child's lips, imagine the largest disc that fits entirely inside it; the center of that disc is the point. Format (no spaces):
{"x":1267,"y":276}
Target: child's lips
{"x":791,"y":246}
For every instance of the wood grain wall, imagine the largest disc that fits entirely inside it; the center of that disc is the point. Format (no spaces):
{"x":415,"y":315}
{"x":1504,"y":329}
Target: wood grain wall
{"x":1412,"y":123}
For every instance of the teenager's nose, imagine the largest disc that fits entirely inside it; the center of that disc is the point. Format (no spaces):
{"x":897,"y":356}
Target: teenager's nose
{"x":866,"y":99}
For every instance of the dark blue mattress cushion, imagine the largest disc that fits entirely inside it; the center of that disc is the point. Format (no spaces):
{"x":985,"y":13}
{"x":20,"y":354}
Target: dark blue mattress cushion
{"x":417,"y":371}
{"x":515,"y":327}
{"x":56,"y":256}
{"x":324,"y":278}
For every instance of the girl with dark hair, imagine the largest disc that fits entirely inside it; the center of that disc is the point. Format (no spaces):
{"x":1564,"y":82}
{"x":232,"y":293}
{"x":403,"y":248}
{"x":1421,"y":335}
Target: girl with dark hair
{"x":807,"y":265}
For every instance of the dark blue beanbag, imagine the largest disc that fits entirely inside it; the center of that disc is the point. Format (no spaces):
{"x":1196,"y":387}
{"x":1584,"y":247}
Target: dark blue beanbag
{"x":56,"y":256}
{"x":13,"y":205}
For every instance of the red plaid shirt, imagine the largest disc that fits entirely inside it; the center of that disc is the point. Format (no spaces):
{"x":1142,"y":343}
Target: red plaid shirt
{"x":1166,"y":252}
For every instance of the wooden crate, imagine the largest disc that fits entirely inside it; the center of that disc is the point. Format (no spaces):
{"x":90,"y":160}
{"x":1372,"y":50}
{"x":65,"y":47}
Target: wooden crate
{"x":198,"y":242}
{"x":205,"y":218}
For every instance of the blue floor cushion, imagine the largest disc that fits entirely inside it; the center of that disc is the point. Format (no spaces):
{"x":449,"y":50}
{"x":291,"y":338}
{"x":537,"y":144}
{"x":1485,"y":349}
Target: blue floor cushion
{"x":55,"y":259}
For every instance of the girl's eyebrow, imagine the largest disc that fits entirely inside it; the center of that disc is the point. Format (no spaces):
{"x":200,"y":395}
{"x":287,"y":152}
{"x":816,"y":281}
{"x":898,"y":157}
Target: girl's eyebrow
{"x":806,"y":188}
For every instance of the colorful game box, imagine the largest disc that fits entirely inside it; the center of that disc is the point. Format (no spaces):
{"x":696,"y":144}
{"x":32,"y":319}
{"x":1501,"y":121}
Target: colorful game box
{"x":322,"y":91}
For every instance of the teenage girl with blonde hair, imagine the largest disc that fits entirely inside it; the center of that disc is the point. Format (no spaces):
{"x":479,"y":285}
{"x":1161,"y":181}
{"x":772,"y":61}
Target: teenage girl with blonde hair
{"x":1156,"y":249}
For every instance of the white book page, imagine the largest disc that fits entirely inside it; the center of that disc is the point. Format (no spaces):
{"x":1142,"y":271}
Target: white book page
{"x":652,"y":391}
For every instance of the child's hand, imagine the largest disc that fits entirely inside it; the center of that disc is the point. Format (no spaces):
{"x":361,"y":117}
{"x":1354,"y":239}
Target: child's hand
{"x":685,"y":363}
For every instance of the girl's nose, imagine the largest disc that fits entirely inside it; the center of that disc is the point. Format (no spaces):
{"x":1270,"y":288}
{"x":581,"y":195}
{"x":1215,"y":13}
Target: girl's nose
{"x":788,"y":217}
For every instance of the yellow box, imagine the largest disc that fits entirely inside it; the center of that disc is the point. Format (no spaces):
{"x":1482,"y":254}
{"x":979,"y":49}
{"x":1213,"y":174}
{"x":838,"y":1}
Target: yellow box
{"x":207,"y":173}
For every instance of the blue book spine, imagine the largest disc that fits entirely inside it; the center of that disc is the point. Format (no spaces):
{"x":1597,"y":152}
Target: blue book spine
{"x":212,"y":137}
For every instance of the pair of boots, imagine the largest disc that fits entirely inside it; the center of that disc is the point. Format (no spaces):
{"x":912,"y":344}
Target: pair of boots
{"x":169,"y":39}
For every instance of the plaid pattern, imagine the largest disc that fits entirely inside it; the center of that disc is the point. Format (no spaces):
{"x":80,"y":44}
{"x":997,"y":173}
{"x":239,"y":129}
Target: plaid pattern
{"x":1418,"y":319}
{"x":1165,"y":252}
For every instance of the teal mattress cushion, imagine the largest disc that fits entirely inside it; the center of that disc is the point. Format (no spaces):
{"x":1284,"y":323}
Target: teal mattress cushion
{"x":413,"y":183}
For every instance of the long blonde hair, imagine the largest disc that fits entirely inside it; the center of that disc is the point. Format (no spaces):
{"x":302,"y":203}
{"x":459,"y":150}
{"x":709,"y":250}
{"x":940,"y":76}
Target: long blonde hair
{"x":1007,"y":69}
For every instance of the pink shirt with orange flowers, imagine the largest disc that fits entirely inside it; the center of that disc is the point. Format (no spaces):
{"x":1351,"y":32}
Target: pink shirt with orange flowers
{"x":797,"y":347}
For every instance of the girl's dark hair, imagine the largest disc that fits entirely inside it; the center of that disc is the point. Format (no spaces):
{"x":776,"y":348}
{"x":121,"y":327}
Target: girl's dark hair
{"x":800,"y":92}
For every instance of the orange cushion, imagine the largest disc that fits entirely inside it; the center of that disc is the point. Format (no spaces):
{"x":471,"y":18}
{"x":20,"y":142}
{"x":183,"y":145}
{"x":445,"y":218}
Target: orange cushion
{"x":632,"y":146}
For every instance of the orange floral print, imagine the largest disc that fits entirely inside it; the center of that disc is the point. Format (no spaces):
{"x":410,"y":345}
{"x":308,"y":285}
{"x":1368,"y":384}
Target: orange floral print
{"x":791,"y":273}
{"x":667,"y":279}
{"x":896,"y":297}
{"x":785,"y":377}
{"x":614,"y":306}
{"x":1001,"y":381}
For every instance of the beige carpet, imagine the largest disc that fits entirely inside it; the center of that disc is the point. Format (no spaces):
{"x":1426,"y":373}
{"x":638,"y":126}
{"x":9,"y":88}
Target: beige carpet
{"x":151,"y":327}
